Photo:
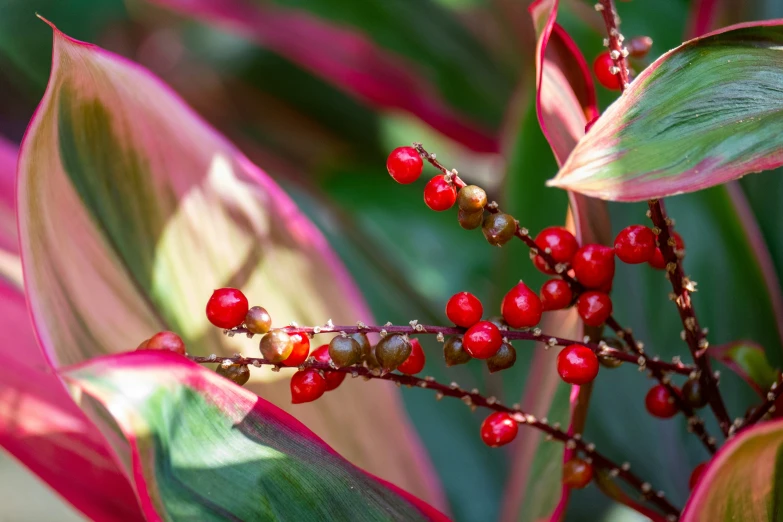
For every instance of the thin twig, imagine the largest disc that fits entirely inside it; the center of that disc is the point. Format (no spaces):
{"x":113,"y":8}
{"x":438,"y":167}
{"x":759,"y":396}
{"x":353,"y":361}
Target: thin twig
{"x":474,"y":399}
{"x":758,"y":413}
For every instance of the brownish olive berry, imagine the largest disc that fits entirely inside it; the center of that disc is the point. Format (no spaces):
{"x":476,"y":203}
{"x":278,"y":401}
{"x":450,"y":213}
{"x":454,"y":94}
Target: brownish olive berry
{"x":504,"y":358}
{"x":258,"y":320}
{"x":454,"y":353}
{"x":471,"y":198}
{"x":470,"y":220}
{"x":608,"y":361}
{"x":499,"y":322}
{"x":368,"y":350}
{"x":499,"y":228}
{"x":693,"y":394}
{"x":577,"y":473}
{"x":237,"y":373}
{"x":344,"y":351}
{"x":168,"y":341}
{"x":276,"y":346}
{"x":392,"y":351}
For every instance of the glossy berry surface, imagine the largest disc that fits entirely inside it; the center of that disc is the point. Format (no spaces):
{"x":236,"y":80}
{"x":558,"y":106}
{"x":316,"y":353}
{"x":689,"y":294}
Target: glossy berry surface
{"x":498,"y":429}
{"x":556,"y":294}
{"x":464,"y":309}
{"x":577,"y":473}
{"x":521,"y":307}
{"x":307,"y":386}
{"x":333,"y":379}
{"x":301,"y":349}
{"x":258,"y":320}
{"x":602,"y":67}
{"x":561,"y":243}
{"x":499,"y":228}
{"x":594,"y":265}
{"x":657,"y":261}
{"x":404,"y":165}
{"x":659,"y":403}
{"x":439,"y":194}
{"x":166,"y":341}
{"x":696,"y":475}
{"x":577,"y":364}
{"x":415,"y":361}
{"x":482,"y":340}
{"x":227,"y":307}
{"x":594,"y":308}
{"x":635,"y":244}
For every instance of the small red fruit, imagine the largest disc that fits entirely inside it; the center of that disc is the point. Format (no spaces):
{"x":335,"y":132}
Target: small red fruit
{"x":561,"y":243}
{"x":635,"y":244}
{"x":659,"y":403}
{"x":439,"y":194}
{"x":166,"y":341}
{"x":577,"y":364}
{"x":307,"y":386}
{"x":464,"y":309}
{"x":521,"y":307}
{"x":301,"y":349}
{"x":227,"y":307}
{"x":602,"y":67}
{"x":556,"y":294}
{"x":657,"y":261}
{"x":333,"y":379}
{"x":594,"y":308}
{"x":498,"y":429}
{"x":696,"y":475}
{"x":404,"y":165}
{"x":594,"y":265}
{"x":577,"y":473}
{"x":482,"y":340}
{"x":415,"y":361}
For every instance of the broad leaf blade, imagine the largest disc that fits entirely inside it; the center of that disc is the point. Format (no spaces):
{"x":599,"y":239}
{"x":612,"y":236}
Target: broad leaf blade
{"x":133,"y":210}
{"x":203,"y":448}
{"x":703,"y":114}
{"x":748,"y":360}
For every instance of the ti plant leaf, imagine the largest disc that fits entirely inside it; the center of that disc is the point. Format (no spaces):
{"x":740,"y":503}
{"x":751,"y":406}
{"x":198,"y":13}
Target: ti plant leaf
{"x":748,"y":360}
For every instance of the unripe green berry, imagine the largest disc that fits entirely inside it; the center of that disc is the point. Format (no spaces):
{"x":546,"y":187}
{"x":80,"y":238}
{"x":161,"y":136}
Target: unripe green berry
{"x":454,"y":353}
{"x":471,"y":198}
{"x":276,"y":346}
{"x":344,"y":351}
{"x":258,"y":320}
{"x":470,"y":220}
{"x":368,"y":350}
{"x":392,"y":351}
{"x":503,"y":359}
{"x":693,"y":394}
{"x":238,"y":373}
{"x":499,"y":228}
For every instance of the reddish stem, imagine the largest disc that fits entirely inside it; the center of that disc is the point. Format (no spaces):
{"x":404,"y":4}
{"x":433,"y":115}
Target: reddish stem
{"x":616,"y":48}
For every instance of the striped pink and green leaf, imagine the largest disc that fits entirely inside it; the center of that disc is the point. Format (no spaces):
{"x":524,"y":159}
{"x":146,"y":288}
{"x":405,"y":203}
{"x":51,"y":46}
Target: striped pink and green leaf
{"x":202,"y":448}
{"x":748,"y":360}
{"x":702,"y":114}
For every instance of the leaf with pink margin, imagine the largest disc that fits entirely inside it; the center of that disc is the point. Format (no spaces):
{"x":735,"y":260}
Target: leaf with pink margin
{"x":565,"y":99}
{"x":8,"y":237}
{"x":743,"y":480}
{"x":748,"y":360}
{"x":343,"y":57}
{"x":132,"y":210}
{"x":204,"y":448}
{"x":681,"y":127}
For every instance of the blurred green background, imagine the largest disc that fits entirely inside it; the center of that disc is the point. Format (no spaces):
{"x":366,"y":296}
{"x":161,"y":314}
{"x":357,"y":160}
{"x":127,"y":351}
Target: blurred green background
{"x":327,"y":147}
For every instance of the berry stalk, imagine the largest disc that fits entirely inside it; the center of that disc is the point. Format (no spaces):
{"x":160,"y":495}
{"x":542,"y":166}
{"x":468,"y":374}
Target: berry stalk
{"x":617,"y":50}
{"x":757,"y":414}
{"x":474,"y":399}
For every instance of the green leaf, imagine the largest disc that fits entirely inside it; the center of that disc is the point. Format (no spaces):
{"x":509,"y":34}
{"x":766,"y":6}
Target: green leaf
{"x":748,"y":360}
{"x":203,"y":448}
{"x":704,"y":113}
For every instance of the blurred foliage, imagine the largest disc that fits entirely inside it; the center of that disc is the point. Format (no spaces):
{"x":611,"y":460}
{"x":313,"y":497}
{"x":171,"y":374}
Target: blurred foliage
{"x":328,"y":150}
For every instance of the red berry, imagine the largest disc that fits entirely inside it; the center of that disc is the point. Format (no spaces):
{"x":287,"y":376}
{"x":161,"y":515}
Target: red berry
{"x":657,"y":261}
{"x":577,"y":473}
{"x":301,"y":349}
{"x":333,"y":379}
{"x":521,"y":307}
{"x":635,"y":244}
{"x":561,"y":243}
{"x":464,"y":309}
{"x":227,"y":307}
{"x":439,"y":194}
{"x":166,"y":341}
{"x":594,"y":308}
{"x":555,"y":295}
{"x":404,"y":165}
{"x":594,"y":265}
{"x":307,"y":386}
{"x":659,"y":403}
{"x":498,"y":429}
{"x":577,"y":364}
{"x":482,"y":340}
{"x":602,"y":66}
{"x":696,"y":475}
{"x":415,"y":361}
